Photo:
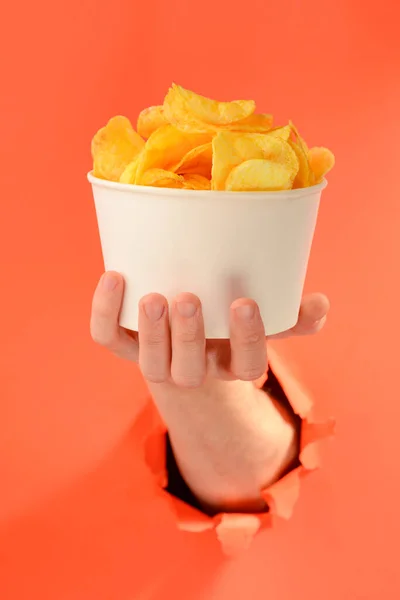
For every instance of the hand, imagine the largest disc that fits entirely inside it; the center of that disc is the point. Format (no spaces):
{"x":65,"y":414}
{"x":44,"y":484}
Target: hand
{"x":179,"y":353}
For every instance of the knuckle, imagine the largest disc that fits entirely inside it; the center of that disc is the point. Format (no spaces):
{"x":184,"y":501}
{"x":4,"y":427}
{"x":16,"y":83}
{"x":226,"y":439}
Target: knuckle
{"x":101,"y":338}
{"x":100,"y":312}
{"x":154,"y":340}
{"x":248,"y":334}
{"x":125,"y":354}
{"x":187,"y":338}
{"x":154,"y":377}
{"x":249,"y":338}
{"x":251,"y":373}
{"x":189,"y":381}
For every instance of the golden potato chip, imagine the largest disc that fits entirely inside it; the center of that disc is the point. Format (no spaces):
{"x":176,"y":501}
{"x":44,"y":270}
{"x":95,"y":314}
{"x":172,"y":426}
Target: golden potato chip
{"x":311,"y":179}
{"x":191,"y":112}
{"x":166,"y":147}
{"x":231,"y":149}
{"x":281,"y":132}
{"x":176,"y":113}
{"x":193,"y":181}
{"x":149,"y":120}
{"x":256,"y":123}
{"x":114,"y":147}
{"x":194,"y":142}
{"x":259,"y":175}
{"x":297,"y":137}
{"x":129,"y":173}
{"x":198,"y":160}
{"x":302,"y":178}
{"x":162,"y":178}
{"x":321,"y":161}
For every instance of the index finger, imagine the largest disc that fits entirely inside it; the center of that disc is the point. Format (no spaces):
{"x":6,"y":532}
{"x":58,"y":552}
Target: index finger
{"x":104,"y":322}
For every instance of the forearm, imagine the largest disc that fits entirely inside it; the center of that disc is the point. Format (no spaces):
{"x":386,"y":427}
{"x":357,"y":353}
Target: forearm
{"x":230,"y":440}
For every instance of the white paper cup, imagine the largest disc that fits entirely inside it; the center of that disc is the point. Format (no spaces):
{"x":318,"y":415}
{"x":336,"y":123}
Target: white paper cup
{"x":218,"y":245}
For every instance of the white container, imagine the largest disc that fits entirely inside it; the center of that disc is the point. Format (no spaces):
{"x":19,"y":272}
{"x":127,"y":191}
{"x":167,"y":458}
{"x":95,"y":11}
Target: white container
{"x":218,"y":245}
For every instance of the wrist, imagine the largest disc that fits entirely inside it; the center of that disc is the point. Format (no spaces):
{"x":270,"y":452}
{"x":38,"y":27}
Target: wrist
{"x":169,"y":398}
{"x":229,"y":438}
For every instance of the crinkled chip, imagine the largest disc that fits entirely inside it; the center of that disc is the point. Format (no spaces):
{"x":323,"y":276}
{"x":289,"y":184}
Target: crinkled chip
{"x":192,"y":112}
{"x":114,"y":147}
{"x":149,"y":120}
{"x":321,"y":161}
{"x":166,"y":147}
{"x":260,"y":175}
{"x":194,"y":181}
{"x":231,"y":149}
{"x":129,"y":173}
{"x":162,"y":178}
{"x":198,"y":160}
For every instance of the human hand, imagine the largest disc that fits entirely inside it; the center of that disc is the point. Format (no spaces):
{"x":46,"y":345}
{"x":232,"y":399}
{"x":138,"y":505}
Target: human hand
{"x":178,"y":352}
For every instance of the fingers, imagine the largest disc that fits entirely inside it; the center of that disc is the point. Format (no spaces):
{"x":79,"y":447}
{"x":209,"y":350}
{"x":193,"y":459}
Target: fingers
{"x":179,"y":355}
{"x":154,"y":338}
{"x":188,"y":367}
{"x":178,"y":351}
{"x":104,"y":326}
{"x":248,"y":344}
{"x":312,"y":317}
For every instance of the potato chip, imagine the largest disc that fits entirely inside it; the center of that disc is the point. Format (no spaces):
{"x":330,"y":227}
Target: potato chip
{"x":297,"y":137}
{"x":193,"y":181}
{"x":311,"y":179}
{"x":257,"y":123}
{"x":149,"y":120}
{"x":281,"y":132}
{"x":231,"y":149}
{"x":177,"y":114}
{"x":321,"y":161}
{"x":162,"y":178}
{"x":302,"y":178}
{"x":259,"y":175}
{"x":114,"y":147}
{"x":166,"y":147}
{"x":129,"y":173}
{"x":193,"y":113}
{"x":198,"y":160}
{"x":194,"y":142}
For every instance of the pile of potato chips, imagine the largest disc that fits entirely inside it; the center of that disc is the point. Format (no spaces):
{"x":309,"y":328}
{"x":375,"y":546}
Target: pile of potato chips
{"x":194,"y":143}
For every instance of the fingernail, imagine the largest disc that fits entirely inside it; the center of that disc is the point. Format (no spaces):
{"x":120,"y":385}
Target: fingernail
{"x":245,"y":311}
{"x":319,"y":322}
{"x":186,"y":309}
{"x":109,"y":282}
{"x":154,"y":310}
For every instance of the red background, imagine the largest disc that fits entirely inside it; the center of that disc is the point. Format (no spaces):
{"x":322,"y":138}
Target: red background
{"x":76,"y":522}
